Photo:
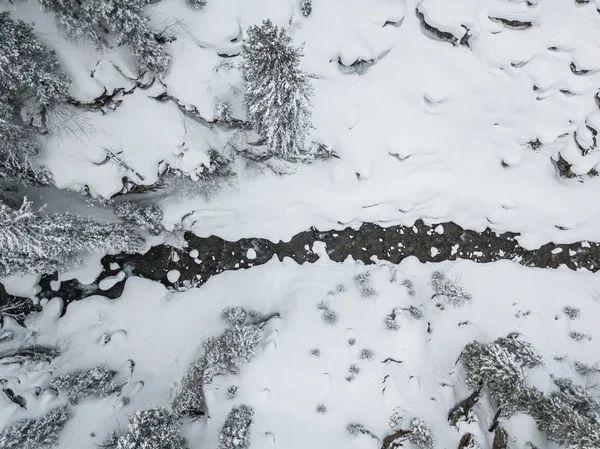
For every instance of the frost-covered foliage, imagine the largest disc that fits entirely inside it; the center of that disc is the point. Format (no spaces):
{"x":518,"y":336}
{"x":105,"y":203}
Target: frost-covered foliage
{"x":577,"y":397}
{"x":232,"y":391}
{"x":41,"y":433}
{"x":420,"y":434}
{"x":222,"y":111}
{"x":197,"y":4}
{"x":579,"y":336}
{"x":525,"y":354}
{"x":390,"y":322}
{"x":34,"y":242}
{"x":235,"y":432}
{"x":321,"y":408}
{"x":493,"y":366}
{"x":234,"y":316}
{"x":584,"y":369}
{"x":97,"y":381}
{"x":395,"y":420}
{"x":29,"y":74}
{"x":28,"y":70}
{"x":366,"y":354}
{"x":330,"y":316}
{"x":355,"y":428}
{"x":449,"y":290}
{"x":306,"y":7}
{"x":572,"y":312}
{"x":189,"y":400}
{"x":154,"y":428}
{"x":560,"y":421}
{"x":146,"y":217}
{"x":410,"y":287}
{"x":363,"y":280}
{"x":222,"y":354}
{"x":277,"y":93}
{"x":105,"y":21}
{"x":234,"y":347}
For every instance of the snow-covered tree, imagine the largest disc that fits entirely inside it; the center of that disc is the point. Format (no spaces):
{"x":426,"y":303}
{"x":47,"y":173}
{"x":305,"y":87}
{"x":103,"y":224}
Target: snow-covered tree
{"x":420,"y":434}
{"x":102,"y":21}
{"x":32,"y":241}
{"x":189,"y":401}
{"x":577,"y":397}
{"x":148,"y":218}
{"x":29,"y":74}
{"x":277,"y":93}
{"x":96,"y":381}
{"x":154,"y":428}
{"x":525,"y":354}
{"x":235,"y":433}
{"x":234,"y":316}
{"x":43,"y":432}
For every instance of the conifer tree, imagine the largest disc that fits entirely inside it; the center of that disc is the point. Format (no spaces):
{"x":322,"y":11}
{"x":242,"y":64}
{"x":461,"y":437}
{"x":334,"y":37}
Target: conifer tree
{"x":277,"y":93}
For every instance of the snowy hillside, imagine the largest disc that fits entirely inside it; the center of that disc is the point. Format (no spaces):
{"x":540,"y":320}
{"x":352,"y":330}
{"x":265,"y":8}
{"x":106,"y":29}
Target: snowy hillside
{"x":152,"y":130}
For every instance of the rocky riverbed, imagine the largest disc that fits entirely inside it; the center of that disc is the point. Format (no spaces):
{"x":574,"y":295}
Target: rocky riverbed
{"x":181,"y":268}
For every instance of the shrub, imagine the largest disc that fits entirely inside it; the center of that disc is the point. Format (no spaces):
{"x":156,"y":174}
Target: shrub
{"x":355,"y":428}
{"x":525,"y":354}
{"x":363,"y":280}
{"x":316,"y":352}
{"x":97,"y":381}
{"x":232,"y":391}
{"x":43,"y":432}
{"x":354,"y":369}
{"x":148,"y":217}
{"x":390,"y":322}
{"x":234,"y":316}
{"x":420,"y":434}
{"x":153,"y":428}
{"x":579,"y":336}
{"x":415,"y":312}
{"x":577,"y":398}
{"x":571,"y":312}
{"x":410,"y":287}
{"x":189,"y":401}
{"x":330,"y":316}
{"x":306,"y":7}
{"x":448,"y":290}
{"x":321,"y":408}
{"x":395,"y":420}
{"x":235,"y":432}
{"x":366,"y":354}
{"x":197,"y":4}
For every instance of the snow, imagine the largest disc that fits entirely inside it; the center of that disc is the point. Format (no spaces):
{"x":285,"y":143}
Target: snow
{"x":423,"y":144}
{"x":251,"y":254}
{"x":173,"y":276}
{"x":285,"y":383}
{"x":110,"y":281}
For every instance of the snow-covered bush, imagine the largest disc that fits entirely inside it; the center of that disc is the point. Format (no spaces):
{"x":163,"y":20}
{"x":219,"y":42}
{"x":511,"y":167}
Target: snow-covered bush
{"x":197,"y":4}
{"x":234,"y":316}
{"x":222,"y":111}
{"x":577,"y":397}
{"x":560,"y":421}
{"x":366,"y":353}
{"x":525,"y":354}
{"x":306,"y":7}
{"x":583,"y":369}
{"x":355,"y":428}
{"x":321,"y":408}
{"x":40,"y":433}
{"x":571,"y":312}
{"x":102,"y":21}
{"x":235,"y":432}
{"x":449,"y":290}
{"x":390,"y":322}
{"x":232,"y":391}
{"x":363,"y":280}
{"x":277,"y":93}
{"x":410,"y":287}
{"x":579,"y":336}
{"x":34,"y":242}
{"x":146,"y":217}
{"x":222,"y":354}
{"x":189,"y":401}
{"x":97,"y":381}
{"x":154,"y":428}
{"x":330,"y":316}
{"x":395,"y":420}
{"x":420,"y":434}
{"x":493,"y":366}
{"x":234,"y":347}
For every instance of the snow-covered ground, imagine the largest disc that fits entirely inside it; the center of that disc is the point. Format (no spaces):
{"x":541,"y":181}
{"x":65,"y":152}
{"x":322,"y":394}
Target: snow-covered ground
{"x":459,"y":118}
{"x":162,"y":332}
{"x":432,"y":130}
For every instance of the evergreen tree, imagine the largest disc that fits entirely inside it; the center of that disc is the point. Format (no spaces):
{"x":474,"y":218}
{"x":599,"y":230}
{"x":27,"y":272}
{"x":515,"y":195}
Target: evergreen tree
{"x":38,"y":433}
{"x":277,"y":93}
{"x":97,"y":381}
{"x":34,"y":242}
{"x":235,"y":433}
{"x":124,"y":21}
{"x":29,"y":74}
{"x":149,"y":429}
{"x":420,"y":434}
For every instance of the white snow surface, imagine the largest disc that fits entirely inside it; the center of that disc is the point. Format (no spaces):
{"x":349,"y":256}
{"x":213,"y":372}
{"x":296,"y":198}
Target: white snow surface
{"x":284,"y":383}
{"x":422,"y":134}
